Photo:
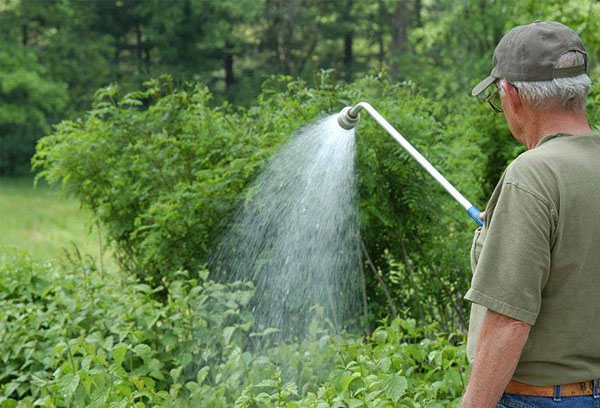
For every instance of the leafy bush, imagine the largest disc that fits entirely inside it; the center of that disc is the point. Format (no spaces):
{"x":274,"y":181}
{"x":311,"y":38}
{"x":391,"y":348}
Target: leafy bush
{"x":163,"y":171}
{"x":163,"y":179}
{"x":399,"y":367}
{"x":90,"y":341}
{"x":70,"y":337}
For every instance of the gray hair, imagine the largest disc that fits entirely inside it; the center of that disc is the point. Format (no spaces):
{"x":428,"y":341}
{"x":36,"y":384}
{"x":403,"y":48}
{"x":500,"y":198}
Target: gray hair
{"x":570,"y":93}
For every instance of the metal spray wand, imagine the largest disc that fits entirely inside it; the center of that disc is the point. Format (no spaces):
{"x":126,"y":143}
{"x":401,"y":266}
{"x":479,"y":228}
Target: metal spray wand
{"x":349,"y":118}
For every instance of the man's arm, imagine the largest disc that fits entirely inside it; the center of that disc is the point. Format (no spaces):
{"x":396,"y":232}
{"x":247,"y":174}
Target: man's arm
{"x":499,"y":345}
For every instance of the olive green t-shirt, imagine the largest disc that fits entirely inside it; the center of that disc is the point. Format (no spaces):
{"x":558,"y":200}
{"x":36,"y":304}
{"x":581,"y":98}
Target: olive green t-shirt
{"x":537,"y":259}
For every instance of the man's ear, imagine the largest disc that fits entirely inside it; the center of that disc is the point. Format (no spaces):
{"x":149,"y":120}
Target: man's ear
{"x":512,"y":97}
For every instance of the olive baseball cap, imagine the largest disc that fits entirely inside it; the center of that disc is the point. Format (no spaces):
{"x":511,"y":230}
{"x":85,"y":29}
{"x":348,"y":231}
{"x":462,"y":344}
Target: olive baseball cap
{"x":529,"y":52}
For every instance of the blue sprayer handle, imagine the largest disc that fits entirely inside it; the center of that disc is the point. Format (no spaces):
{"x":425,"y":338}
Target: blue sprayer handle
{"x":474,"y":212}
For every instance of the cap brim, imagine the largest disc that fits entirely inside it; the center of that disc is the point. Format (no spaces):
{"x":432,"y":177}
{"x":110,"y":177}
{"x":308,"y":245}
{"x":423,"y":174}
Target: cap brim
{"x":483,"y":85}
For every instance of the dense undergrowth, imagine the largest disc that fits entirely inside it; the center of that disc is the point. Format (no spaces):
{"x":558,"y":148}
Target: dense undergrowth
{"x":73,"y":337}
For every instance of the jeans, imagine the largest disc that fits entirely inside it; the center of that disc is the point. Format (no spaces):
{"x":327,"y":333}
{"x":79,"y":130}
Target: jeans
{"x":524,"y":401}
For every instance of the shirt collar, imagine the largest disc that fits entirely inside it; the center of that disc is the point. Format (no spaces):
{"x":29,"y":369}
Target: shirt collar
{"x":556,"y":135}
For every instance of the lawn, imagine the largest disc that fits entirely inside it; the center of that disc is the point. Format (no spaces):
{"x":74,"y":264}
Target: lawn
{"x":43,"y":221}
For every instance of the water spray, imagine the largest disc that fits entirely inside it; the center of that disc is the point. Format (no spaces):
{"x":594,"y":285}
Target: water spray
{"x":349,"y":118}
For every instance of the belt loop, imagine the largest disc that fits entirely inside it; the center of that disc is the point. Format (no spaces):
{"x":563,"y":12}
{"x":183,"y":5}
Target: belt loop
{"x":557,"y":390}
{"x":595,"y":388}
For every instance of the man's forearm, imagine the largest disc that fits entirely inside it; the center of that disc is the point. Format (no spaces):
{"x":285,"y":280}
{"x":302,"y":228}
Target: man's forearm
{"x":499,"y":345}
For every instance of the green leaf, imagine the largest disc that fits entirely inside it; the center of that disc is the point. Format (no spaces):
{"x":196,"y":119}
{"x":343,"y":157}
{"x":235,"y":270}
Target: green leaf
{"x":67,"y":385}
{"x":346,"y":381}
{"x":203,"y":274}
{"x":176,"y":373}
{"x":119,"y":352}
{"x":192,"y":386}
{"x":9,"y":389}
{"x":267,"y":383}
{"x":381,"y":336}
{"x":59,"y":349}
{"x":385,"y":364}
{"x":395,"y":387}
{"x":227,"y":333}
{"x":8,"y":402}
{"x":202,"y":374}
{"x":144,"y":351}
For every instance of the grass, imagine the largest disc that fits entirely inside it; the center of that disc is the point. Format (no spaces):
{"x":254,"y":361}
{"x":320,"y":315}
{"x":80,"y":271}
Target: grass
{"x":44,"y":222}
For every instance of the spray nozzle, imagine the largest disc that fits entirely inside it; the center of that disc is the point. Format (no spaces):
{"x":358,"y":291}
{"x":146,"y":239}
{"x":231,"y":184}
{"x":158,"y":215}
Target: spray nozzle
{"x":348,"y":119}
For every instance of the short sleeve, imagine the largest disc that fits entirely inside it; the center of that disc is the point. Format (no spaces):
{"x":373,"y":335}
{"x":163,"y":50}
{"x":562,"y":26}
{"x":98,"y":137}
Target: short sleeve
{"x":514,"y":263}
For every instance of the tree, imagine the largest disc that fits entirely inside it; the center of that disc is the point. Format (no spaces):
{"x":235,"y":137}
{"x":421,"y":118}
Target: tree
{"x":30,"y":103}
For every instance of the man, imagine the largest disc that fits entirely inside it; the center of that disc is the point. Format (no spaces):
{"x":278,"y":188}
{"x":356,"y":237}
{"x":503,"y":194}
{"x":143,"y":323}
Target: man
{"x":534,"y":336}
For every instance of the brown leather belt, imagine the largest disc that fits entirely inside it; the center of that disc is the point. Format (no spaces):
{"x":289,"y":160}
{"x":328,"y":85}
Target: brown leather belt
{"x":567,"y":390}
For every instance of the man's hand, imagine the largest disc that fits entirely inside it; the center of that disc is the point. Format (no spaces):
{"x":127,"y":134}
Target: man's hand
{"x":499,"y":345}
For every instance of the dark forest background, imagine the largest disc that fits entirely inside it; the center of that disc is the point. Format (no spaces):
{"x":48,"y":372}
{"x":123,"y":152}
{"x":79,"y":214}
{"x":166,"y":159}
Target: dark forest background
{"x":56,"y":54}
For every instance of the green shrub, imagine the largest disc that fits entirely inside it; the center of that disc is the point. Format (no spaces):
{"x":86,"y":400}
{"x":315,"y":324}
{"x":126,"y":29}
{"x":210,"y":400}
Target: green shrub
{"x":69,"y":337}
{"x":401,"y":366}
{"x":164,"y":171}
{"x":163,"y":179}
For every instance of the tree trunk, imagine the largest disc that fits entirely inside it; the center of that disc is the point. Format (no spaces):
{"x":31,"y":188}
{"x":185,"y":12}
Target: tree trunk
{"x":287,"y":34}
{"x":228,"y":64}
{"x":411,"y":274}
{"x":348,"y":56}
{"x":398,"y":30}
{"x":270,"y":36}
{"x":348,"y":37}
{"x":24,"y":33}
{"x":418,"y":7}
{"x":24,"y":26}
{"x":147,"y":58}
{"x":117,"y":59}
{"x":310,"y":51}
{"x":363,"y":285}
{"x":381,"y":50}
{"x":138,"y":38}
{"x":380,"y":280}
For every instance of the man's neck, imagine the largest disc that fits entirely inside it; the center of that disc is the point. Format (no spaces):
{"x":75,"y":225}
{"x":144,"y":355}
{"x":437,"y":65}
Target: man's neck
{"x":551,"y":122}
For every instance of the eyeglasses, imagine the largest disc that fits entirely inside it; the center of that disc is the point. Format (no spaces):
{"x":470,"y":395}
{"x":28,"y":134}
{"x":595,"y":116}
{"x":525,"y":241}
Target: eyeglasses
{"x":494,"y":100}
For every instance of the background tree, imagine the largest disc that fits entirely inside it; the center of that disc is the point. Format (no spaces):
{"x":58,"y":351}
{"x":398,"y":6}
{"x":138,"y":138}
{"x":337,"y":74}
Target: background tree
{"x":232,"y":47}
{"x":30,"y":103}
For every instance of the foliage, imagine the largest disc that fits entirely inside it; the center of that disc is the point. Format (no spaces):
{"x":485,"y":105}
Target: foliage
{"x":163,"y":163}
{"x":163,"y":170}
{"x":165,"y":179}
{"x":450,"y":57}
{"x":71,"y":337}
{"x":443,"y":46}
{"x":30,"y":103}
{"x":398,"y":367}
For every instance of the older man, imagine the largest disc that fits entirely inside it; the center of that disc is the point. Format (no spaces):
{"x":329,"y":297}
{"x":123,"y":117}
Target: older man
{"x":534,"y":336}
